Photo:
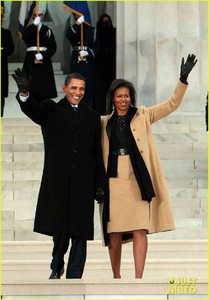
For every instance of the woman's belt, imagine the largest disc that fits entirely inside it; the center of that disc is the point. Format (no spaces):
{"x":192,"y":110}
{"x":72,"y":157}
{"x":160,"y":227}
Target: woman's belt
{"x":122,"y":151}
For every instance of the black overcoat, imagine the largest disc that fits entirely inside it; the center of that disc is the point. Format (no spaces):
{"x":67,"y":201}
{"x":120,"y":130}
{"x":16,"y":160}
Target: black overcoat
{"x":43,"y":81}
{"x":73,"y":167}
{"x":7,"y":49}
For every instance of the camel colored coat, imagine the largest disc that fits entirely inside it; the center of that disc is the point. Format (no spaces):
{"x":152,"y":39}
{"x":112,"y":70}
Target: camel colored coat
{"x":161,"y":216}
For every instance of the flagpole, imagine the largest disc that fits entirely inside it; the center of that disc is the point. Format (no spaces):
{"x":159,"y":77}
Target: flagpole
{"x":37,"y":35}
{"x":82,"y":36}
{"x":81,"y":58}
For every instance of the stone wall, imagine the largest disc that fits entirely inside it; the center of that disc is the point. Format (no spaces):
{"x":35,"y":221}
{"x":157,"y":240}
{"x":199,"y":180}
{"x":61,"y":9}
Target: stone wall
{"x":152,"y":38}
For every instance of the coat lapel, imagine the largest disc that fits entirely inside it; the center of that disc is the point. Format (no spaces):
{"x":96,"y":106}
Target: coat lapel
{"x":83,"y":115}
{"x":70,"y":116}
{"x":67,"y":113}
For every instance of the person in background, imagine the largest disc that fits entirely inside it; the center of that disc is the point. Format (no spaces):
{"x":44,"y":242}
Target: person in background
{"x":105,"y":62}
{"x":73,"y":173}
{"x":37,"y":62}
{"x":7,"y":48}
{"x":83,"y":56}
{"x":206,"y":113}
{"x":138,"y":195}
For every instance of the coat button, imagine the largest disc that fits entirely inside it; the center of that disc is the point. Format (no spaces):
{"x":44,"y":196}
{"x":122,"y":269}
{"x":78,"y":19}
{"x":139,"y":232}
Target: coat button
{"x":75,"y":151}
{"x":141,"y":151}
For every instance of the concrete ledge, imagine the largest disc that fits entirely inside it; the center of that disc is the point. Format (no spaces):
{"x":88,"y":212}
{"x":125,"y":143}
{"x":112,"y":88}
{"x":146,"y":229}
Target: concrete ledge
{"x":101,"y":268}
{"x":78,"y":287}
{"x":163,"y":246}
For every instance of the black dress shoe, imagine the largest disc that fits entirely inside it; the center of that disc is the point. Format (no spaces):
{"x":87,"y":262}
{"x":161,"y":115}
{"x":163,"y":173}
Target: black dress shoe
{"x":56,"y":275}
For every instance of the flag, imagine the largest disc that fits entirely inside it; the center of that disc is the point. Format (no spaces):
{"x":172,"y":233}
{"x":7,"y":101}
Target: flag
{"x":2,"y":7}
{"x":25,"y":15}
{"x":6,"y":8}
{"x":56,"y":12}
{"x":79,"y":8}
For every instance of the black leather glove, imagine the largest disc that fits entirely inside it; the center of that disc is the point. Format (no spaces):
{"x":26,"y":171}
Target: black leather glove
{"x":187,"y":67}
{"x":21,"y":80}
{"x":100,"y":195}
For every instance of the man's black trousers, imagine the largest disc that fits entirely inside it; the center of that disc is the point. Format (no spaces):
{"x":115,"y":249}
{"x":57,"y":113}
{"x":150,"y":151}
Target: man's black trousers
{"x":77,"y":255}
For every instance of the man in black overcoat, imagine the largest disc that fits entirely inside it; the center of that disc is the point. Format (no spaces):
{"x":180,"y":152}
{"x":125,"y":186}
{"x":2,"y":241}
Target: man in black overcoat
{"x":37,"y":61}
{"x":73,"y":174}
{"x":7,"y":48}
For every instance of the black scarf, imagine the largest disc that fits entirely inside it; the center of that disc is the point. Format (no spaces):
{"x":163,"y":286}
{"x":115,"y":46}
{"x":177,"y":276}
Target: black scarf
{"x":138,"y":164}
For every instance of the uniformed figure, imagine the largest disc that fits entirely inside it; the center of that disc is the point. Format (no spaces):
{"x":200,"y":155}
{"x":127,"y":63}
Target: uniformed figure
{"x":105,"y":62}
{"x":38,"y":65}
{"x":7,"y":48}
{"x":87,"y":53}
{"x":73,"y":174}
{"x":206,"y":113}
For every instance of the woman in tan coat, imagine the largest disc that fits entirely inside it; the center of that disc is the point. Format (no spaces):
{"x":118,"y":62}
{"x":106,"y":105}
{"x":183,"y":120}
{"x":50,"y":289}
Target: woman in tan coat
{"x":138,"y":201}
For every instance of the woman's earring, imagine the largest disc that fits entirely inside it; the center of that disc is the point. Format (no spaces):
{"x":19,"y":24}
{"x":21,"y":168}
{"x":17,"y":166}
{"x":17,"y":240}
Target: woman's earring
{"x":113,"y":106}
{"x":131,"y":104}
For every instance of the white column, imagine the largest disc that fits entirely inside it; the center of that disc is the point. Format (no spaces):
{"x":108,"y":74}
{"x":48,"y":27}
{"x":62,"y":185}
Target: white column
{"x":152,"y":37}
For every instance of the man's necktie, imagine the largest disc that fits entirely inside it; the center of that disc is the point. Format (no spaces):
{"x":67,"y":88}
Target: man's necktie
{"x":75,"y":108}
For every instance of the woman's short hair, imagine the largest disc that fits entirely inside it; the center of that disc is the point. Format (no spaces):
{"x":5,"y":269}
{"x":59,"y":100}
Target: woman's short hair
{"x":116,"y":84}
{"x":74,"y":76}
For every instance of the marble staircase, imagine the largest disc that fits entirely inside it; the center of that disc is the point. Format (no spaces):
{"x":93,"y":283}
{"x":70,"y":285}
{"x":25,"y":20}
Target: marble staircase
{"x":183,"y":150}
{"x":25,"y":269}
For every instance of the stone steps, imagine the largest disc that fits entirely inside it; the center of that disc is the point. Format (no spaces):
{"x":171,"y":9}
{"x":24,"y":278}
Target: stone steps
{"x":20,"y":141}
{"x":36,"y":175}
{"x":102,"y":289}
{"x":183,"y":150}
{"x":25,"y":269}
{"x":157,"y":249}
{"x":32,"y":181}
{"x":100,"y":268}
{"x":20,"y":227}
{"x":178,"y":121}
{"x":195,"y":119}
{"x":8,"y":164}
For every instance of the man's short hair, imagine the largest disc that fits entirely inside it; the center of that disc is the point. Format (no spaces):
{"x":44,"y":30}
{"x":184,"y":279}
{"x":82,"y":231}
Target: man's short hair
{"x":74,"y":76}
